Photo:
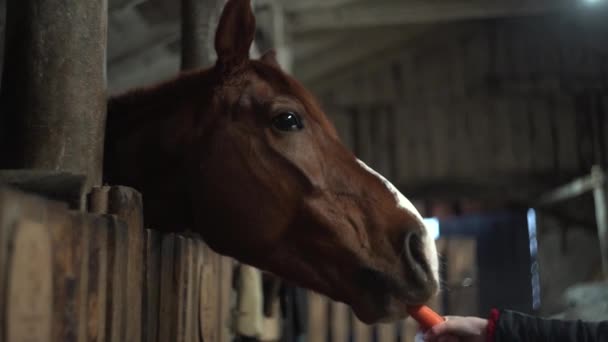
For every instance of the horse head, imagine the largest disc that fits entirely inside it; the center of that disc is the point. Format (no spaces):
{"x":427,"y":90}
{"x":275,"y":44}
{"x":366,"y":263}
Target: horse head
{"x":248,"y":159}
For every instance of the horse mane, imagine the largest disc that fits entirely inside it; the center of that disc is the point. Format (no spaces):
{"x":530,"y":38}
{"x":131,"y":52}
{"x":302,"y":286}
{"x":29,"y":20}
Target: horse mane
{"x":162,"y":94}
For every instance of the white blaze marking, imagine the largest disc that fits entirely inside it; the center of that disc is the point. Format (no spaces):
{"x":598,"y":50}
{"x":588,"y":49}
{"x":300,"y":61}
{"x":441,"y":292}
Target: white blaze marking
{"x":402,"y":202}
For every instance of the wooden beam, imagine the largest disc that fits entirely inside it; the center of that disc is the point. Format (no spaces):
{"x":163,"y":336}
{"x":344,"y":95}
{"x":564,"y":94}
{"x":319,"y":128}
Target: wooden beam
{"x":199,"y":19}
{"x":59,"y":186}
{"x":298,"y":5}
{"x":601,"y":215}
{"x":350,"y":51}
{"x":573,"y":189}
{"x":384,"y":13}
{"x":53,"y":97}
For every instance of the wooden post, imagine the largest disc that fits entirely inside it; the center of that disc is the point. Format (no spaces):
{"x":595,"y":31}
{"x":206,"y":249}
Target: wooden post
{"x":199,"y":20}
{"x":601,"y":214}
{"x":53,"y":95}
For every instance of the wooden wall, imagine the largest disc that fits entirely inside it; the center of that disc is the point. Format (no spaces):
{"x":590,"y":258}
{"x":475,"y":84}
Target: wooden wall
{"x":491,"y":99}
{"x":100,"y":276}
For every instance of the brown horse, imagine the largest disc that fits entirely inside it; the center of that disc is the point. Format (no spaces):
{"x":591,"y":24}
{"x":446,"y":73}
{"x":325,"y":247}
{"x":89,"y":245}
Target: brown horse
{"x":244,"y":155}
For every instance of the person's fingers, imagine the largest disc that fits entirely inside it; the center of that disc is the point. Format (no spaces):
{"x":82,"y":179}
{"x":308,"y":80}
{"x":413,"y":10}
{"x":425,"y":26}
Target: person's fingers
{"x":443,"y":328}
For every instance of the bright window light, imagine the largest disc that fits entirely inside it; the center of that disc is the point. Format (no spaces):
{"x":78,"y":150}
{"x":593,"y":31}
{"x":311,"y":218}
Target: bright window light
{"x":432,"y":225}
{"x":534,"y":259}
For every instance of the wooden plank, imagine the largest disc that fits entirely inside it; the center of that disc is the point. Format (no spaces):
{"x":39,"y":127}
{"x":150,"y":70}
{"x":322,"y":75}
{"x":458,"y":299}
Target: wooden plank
{"x":191,"y":305}
{"x":126,"y":204}
{"x":96,"y":299}
{"x":403,"y":144}
{"x":151,"y":290}
{"x":601,"y":216}
{"x":29,"y":295}
{"x":117,"y":269}
{"x":340,"y":322}
{"x":439,"y":131}
{"x":361,"y":331}
{"x":98,"y":200}
{"x":343,"y":122}
{"x":479,"y":132}
{"x":502,"y":145}
{"x":541,"y":143}
{"x":183,"y":276}
{"x":13,"y":205}
{"x":387,"y":332}
{"x":378,"y":131}
{"x":59,"y":186}
{"x":67,"y":258}
{"x":317,"y":318}
{"x":198,"y":265}
{"x":209,"y":293}
{"x":81,"y":225}
{"x":225,"y":297}
{"x":409,"y":329}
{"x":520,"y":134}
{"x":168,"y":295}
{"x":364,"y":141}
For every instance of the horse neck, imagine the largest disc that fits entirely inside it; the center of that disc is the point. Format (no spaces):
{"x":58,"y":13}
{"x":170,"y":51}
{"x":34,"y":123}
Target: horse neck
{"x":145,"y":132}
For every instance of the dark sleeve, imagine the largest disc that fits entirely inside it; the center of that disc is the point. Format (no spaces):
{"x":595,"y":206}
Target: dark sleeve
{"x":510,"y":326}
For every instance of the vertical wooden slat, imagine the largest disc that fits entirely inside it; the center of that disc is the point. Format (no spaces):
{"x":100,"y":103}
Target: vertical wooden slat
{"x":98,"y":279}
{"x":209,"y":294}
{"x":151,"y":300}
{"x":83,"y":227}
{"x":565,"y":115}
{"x":199,"y":295}
{"x":29,"y":296}
{"x":409,"y":329}
{"x":191,"y":305}
{"x":182,"y":275}
{"x":361,"y":331}
{"x":502,"y":145}
{"x":12,"y":206}
{"x":540,"y":136}
{"x":317,"y":317}
{"x":117,"y":257}
{"x":126,"y":204}
{"x":168,"y":295}
{"x":387,"y":332}
{"x":67,"y":259}
{"x":520,"y":134}
{"x":340,"y":322}
{"x":226,"y":296}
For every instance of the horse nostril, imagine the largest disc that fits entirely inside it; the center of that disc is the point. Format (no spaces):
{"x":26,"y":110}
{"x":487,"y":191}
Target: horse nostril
{"x":415,"y":260}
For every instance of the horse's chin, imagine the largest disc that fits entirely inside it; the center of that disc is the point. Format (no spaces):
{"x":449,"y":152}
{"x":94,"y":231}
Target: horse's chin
{"x":390,"y":310}
{"x":382,"y":298}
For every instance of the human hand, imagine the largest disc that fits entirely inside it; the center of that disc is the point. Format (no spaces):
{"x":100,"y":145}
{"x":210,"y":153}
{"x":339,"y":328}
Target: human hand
{"x":458,"y":329}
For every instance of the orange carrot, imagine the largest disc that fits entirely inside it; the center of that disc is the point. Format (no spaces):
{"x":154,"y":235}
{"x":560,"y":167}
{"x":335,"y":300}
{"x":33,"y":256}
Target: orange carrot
{"x":425,"y":316}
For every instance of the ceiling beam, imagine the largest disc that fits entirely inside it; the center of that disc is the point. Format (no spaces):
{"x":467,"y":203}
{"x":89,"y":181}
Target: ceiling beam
{"x":387,"y":13}
{"x":299,"y":5}
{"x":357,"y":46}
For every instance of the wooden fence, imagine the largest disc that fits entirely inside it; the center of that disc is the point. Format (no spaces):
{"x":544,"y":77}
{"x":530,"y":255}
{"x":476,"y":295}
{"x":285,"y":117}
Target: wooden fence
{"x":335,"y":322}
{"x":100,"y":276}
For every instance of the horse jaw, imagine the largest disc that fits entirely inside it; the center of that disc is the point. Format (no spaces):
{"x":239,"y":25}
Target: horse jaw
{"x":430,"y":250}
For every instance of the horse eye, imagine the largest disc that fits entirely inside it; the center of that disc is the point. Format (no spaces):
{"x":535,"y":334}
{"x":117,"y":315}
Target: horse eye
{"x":288,"y":121}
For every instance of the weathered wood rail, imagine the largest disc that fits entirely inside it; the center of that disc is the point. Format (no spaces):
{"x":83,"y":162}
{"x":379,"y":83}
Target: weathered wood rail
{"x":100,"y":276}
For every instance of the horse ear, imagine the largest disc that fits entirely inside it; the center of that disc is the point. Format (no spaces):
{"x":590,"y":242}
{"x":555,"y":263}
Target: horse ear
{"x":270,"y":57}
{"x":235,"y":33}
